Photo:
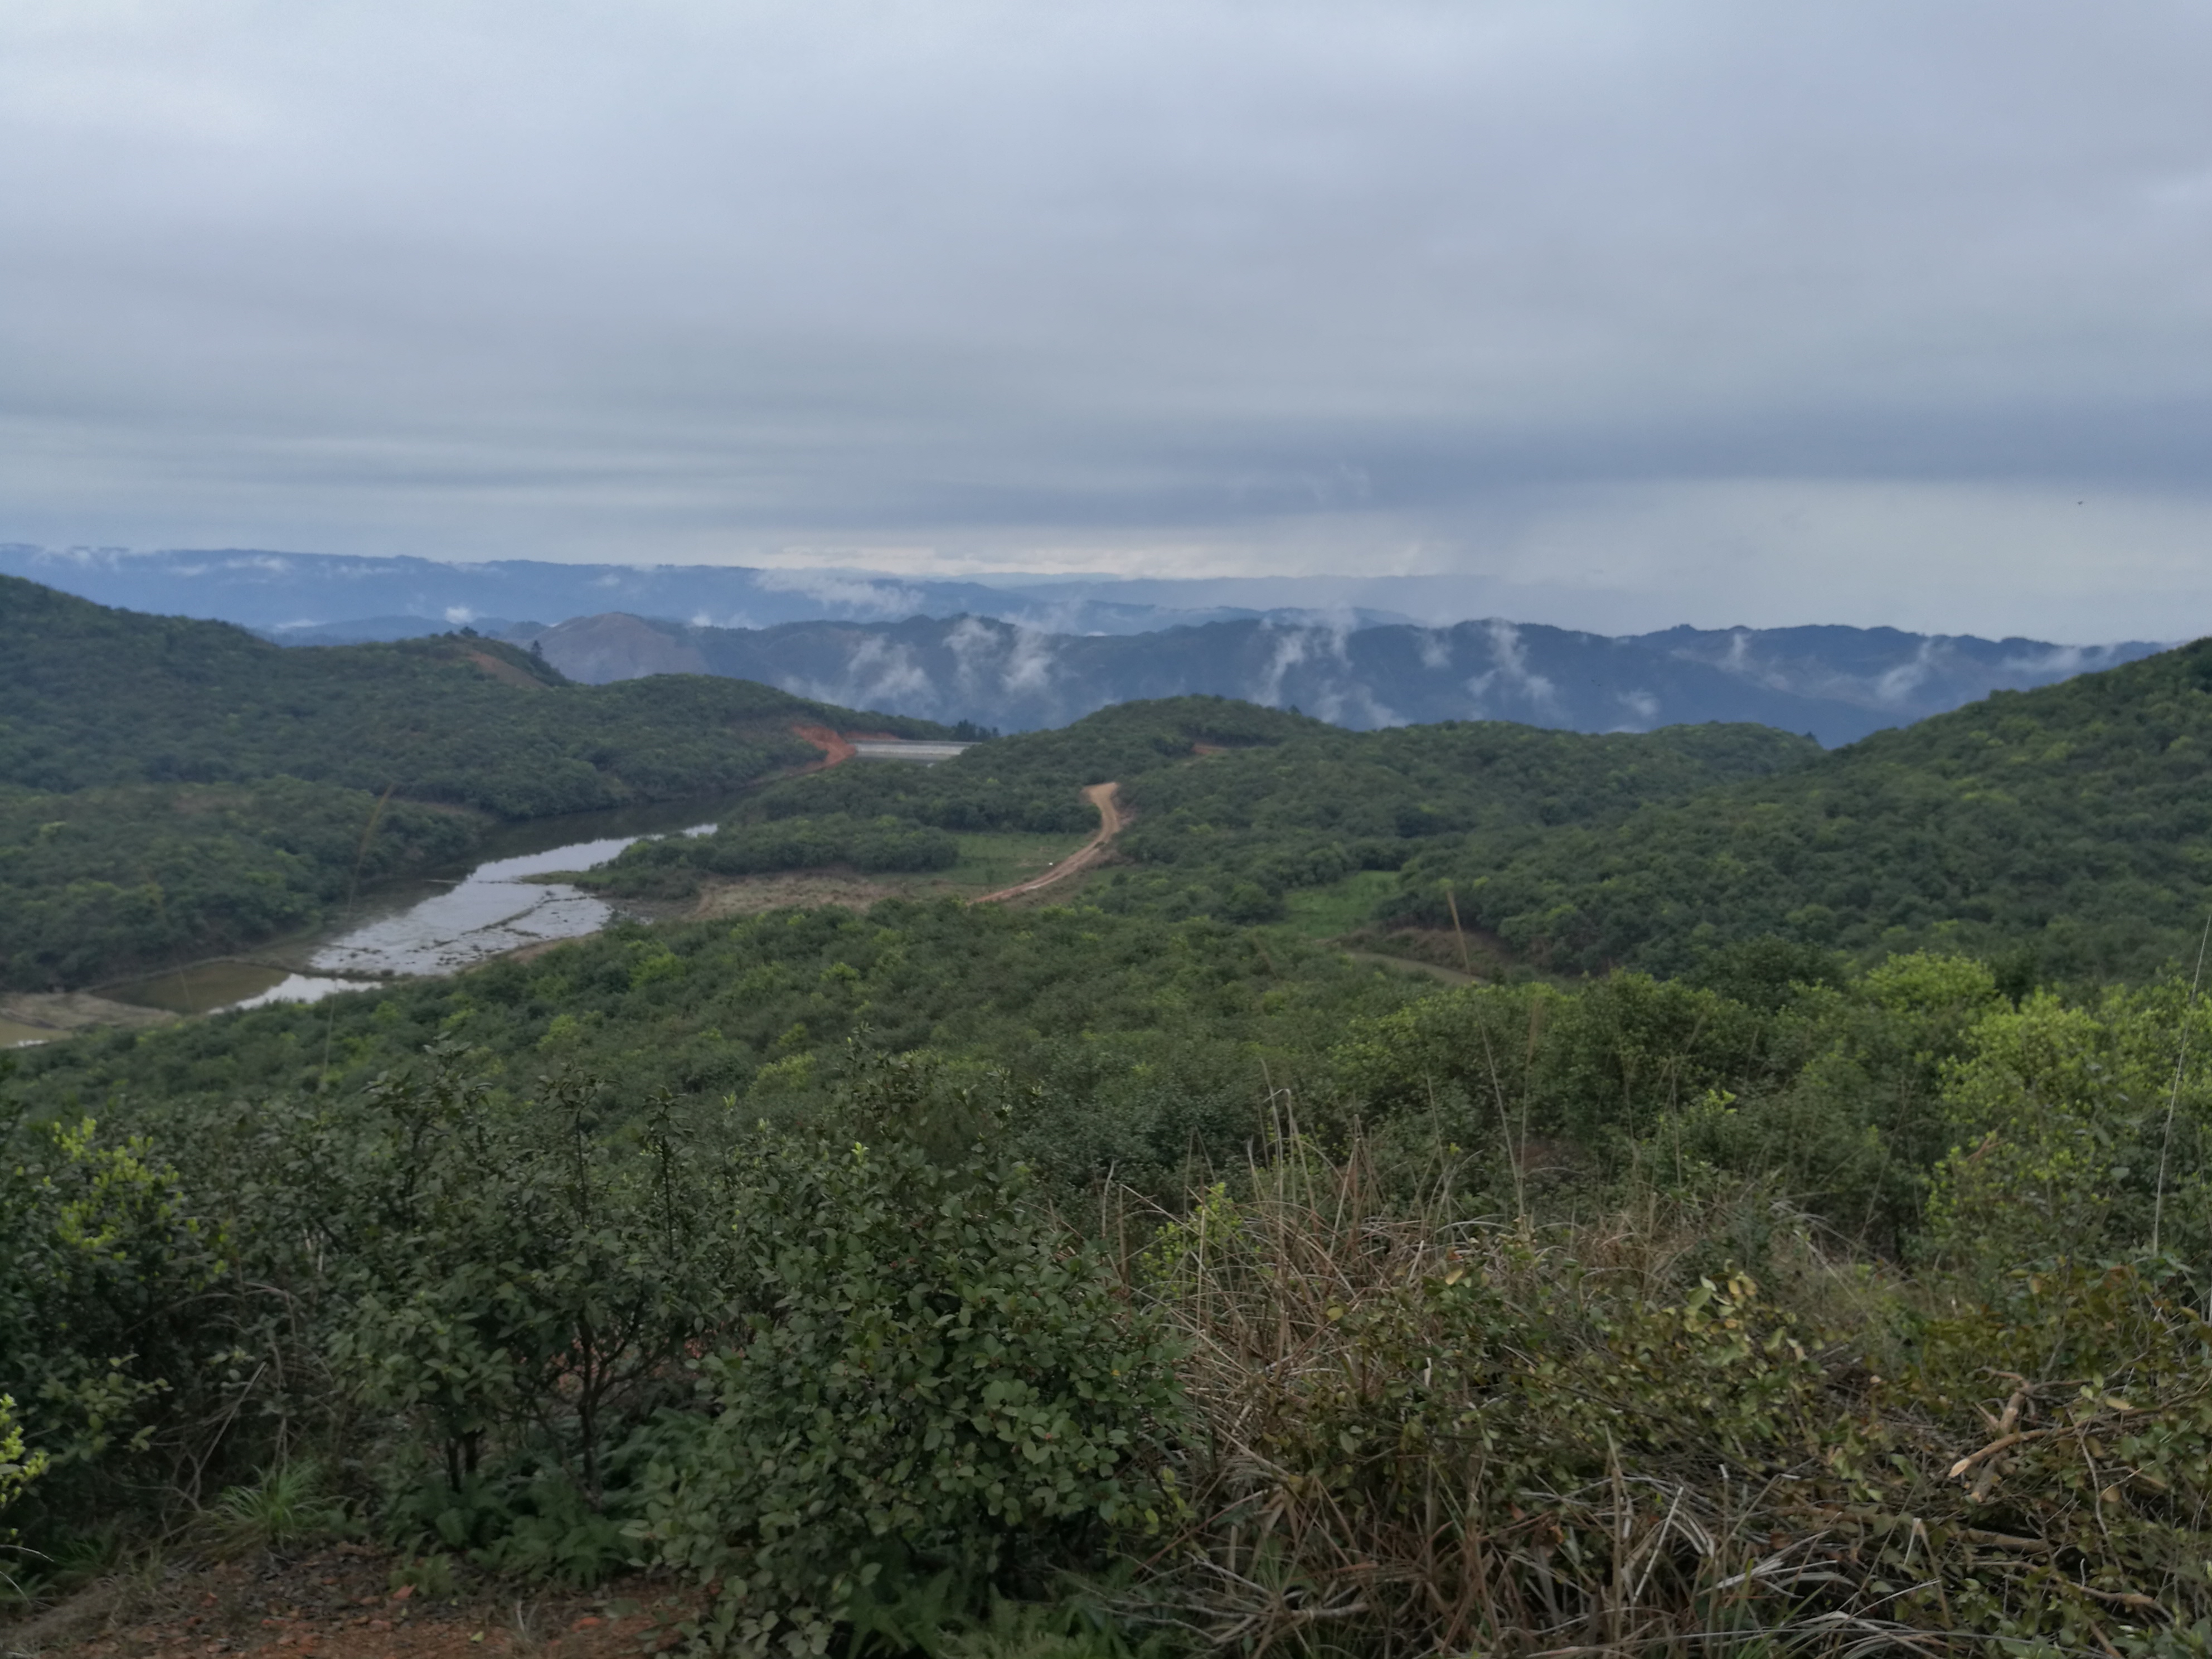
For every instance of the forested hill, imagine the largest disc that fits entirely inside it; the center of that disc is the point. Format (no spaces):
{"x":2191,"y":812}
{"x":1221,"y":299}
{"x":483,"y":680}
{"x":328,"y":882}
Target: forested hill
{"x":171,"y":789}
{"x":2067,"y":824}
{"x":1242,"y":813}
{"x":90,"y":696}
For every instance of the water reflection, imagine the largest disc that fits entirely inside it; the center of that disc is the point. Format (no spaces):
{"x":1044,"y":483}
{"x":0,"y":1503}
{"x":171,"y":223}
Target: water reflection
{"x":14,"y":1033}
{"x":496,"y":908}
{"x":298,"y":988}
{"x":208,"y":986}
{"x":419,"y":926}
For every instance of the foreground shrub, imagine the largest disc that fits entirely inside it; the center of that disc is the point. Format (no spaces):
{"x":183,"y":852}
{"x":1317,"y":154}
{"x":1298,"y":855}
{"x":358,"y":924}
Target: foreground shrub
{"x":944,"y":1378}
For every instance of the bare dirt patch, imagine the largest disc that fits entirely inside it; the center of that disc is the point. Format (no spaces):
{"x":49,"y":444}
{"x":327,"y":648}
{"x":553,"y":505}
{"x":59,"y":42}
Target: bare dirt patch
{"x":58,"y":1012}
{"x":750,"y":895}
{"x":504,"y":672}
{"x":835,"y":751}
{"x":1471,"y":954}
{"x":342,"y":1602}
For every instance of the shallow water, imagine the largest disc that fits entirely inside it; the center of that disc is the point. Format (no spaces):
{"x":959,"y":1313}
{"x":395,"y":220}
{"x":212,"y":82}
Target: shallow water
{"x":14,"y":1033}
{"x":493,"y":910}
{"x":431,"y":925}
{"x":200,"y":987}
{"x":206,"y":987}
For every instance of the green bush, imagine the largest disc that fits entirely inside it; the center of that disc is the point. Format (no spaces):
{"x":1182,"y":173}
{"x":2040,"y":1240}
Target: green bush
{"x":521,"y":1278}
{"x":118,"y":1333}
{"x":943,"y":1376}
{"x":670,"y":863}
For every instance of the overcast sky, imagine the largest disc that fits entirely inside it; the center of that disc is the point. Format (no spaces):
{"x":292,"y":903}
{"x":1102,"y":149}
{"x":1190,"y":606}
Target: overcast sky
{"x":1879,"y":311}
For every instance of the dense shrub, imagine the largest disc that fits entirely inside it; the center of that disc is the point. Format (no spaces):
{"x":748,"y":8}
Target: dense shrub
{"x":738,"y":848}
{"x":943,"y":1376}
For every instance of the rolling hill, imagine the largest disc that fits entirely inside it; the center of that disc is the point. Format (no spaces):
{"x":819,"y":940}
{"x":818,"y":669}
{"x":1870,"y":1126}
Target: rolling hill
{"x":2068,"y":824}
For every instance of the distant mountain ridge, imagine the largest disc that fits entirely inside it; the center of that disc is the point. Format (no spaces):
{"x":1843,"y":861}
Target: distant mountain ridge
{"x":1018,"y":657}
{"x":1837,"y":684}
{"x":321,"y":598}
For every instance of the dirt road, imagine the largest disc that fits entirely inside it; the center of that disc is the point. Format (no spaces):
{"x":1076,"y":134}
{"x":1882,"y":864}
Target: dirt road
{"x":1106,"y":797}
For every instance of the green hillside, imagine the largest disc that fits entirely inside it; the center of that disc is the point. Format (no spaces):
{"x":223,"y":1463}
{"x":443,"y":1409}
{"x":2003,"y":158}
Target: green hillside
{"x":173,"y":787}
{"x":1236,"y":807}
{"x":2067,"y":824}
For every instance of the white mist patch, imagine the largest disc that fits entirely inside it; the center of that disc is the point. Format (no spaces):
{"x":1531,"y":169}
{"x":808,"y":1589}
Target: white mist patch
{"x":1510,"y":675}
{"x":869,"y":600}
{"x":1291,"y":649}
{"x":1029,"y":664}
{"x":2058,"y":663}
{"x":975,"y":647}
{"x":1895,"y":685}
{"x":879,"y":672}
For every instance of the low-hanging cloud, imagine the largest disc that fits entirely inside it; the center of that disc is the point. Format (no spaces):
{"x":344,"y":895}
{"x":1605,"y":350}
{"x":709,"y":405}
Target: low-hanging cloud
{"x":1510,"y":682}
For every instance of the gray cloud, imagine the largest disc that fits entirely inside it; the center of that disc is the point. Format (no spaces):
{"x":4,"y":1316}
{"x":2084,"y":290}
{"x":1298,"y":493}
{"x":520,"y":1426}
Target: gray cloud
{"x":1861,"y":309}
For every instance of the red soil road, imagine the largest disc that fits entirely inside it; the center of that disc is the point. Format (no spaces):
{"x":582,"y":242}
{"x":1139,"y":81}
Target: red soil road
{"x":1105,"y":797}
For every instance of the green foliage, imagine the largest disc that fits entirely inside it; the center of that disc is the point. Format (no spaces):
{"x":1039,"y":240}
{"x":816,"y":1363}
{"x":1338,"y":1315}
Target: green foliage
{"x":1034,"y":782}
{"x":1237,"y":807}
{"x":108,"y":881}
{"x":1424,"y":1437}
{"x":95,"y":696}
{"x":1805,"y":1304}
{"x":2079,"y":1133}
{"x":2062,"y":1436}
{"x":18,"y":1468}
{"x":511,"y":1274}
{"x":109,"y":1276}
{"x":284,"y":1506}
{"x":1233,"y":834}
{"x":1125,"y":1042}
{"x":2068,"y":822}
{"x":887,"y":817}
{"x":941,"y":1370}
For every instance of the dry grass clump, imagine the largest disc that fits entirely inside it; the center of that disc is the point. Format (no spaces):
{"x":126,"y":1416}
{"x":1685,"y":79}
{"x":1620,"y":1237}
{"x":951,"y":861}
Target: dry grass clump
{"x":1416,"y":1433}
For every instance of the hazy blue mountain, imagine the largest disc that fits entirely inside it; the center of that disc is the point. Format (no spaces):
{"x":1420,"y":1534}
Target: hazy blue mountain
{"x":1837,"y":684}
{"x":1022,"y":652}
{"x":1885,"y":670}
{"x":326,"y":599}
